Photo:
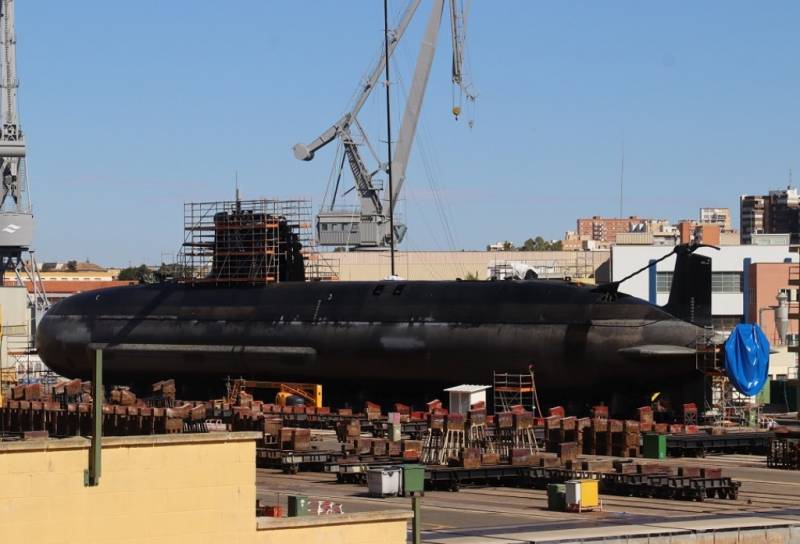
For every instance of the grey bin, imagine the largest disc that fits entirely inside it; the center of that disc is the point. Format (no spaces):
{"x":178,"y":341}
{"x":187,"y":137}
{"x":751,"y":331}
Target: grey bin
{"x":384,"y":481}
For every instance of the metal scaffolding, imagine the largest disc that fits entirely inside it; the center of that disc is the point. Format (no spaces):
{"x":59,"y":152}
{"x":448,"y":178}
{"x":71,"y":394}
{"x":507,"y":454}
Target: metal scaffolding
{"x":253,"y":242}
{"x":723,"y":403}
{"x":512,"y":389}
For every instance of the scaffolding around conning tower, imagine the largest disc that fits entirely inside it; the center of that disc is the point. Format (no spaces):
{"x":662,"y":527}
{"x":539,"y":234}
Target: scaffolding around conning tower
{"x":254,"y":242}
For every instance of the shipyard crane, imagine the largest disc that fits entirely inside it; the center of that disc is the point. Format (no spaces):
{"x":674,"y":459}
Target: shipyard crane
{"x":16,"y":213}
{"x":368,"y":225}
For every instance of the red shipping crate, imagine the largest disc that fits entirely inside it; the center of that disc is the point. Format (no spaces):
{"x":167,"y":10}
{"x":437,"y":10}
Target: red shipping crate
{"x":455,"y":422}
{"x":521,"y":456}
{"x":434,"y":405}
{"x":569,"y":423}
{"x":411,"y":455}
{"x":436,"y":421}
{"x":689,"y":472}
{"x":552,"y":422}
{"x":568,"y":451}
{"x":490,"y":458}
{"x":477,"y":417}
{"x":523,"y":420}
{"x":505,"y":420}
{"x":273,"y":511}
{"x":653,"y":468}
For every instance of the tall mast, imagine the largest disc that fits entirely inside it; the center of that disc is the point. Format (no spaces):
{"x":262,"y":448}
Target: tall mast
{"x":388,"y":134}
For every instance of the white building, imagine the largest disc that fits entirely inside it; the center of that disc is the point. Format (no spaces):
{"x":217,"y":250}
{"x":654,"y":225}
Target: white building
{"x":717,"y":216}
{"x":727,"y":275}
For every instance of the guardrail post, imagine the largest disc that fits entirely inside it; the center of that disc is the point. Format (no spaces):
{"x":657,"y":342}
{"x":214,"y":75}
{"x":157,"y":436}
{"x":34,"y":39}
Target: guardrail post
{"x":91,"y":476}
{"x":416,"y":523}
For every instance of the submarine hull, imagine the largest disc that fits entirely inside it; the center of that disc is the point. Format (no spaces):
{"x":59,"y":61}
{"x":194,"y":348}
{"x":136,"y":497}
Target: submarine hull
{"x":363,"y":335}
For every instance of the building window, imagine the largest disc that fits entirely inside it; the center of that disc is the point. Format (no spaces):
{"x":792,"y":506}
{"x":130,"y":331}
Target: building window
{"x":663,"y":282}
{"x":726,"y":282}
{"x":721,"y":282}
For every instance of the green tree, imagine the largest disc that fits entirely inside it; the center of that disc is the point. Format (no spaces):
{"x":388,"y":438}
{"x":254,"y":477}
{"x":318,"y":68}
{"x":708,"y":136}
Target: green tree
{"x":540,"y":244}
{"x":133,"y":273}
{"x":72,"y":266}
{"x":469,"y":276}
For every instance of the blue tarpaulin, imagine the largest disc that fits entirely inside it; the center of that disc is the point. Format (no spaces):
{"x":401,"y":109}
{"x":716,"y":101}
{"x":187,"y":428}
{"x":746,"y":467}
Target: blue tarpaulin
{"x":747,"y":358}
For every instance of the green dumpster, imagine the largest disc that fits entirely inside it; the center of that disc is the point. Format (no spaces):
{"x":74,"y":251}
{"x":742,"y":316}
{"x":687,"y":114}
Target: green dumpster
{"x":298,"y":505}
{"x":413,"y":479}
{"x":557,"y":497}
{"x":765,"y":395}
{"x":654,"y":446}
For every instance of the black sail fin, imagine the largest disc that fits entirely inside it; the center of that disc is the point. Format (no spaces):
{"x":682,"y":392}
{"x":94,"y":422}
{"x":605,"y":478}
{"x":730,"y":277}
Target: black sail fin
{"x":690,"y":295}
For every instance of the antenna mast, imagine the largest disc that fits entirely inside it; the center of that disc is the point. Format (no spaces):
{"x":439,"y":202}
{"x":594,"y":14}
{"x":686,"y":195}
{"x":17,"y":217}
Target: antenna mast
{"x":621,"y":176}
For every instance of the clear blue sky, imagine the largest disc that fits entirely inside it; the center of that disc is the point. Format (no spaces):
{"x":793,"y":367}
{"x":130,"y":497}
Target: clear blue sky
{"x":132,"y":108}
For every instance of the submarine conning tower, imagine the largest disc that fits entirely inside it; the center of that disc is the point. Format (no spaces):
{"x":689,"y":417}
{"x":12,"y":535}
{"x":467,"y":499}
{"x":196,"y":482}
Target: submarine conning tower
{"x":243,"y":242}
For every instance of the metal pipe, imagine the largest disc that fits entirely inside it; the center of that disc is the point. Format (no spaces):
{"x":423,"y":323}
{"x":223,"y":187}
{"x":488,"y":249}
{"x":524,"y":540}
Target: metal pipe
{"x":761,"y":317}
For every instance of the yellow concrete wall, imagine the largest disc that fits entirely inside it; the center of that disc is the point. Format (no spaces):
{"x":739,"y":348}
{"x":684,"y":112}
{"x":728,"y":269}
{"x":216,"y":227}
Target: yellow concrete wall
{"x":449,"y":265}
{"x":170,"y":488}
{"x":149,"y":492}
{"x":376,"y":527}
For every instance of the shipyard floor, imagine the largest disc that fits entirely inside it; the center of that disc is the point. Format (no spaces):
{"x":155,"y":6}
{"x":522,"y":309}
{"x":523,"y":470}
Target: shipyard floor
{"x":513,"y":515}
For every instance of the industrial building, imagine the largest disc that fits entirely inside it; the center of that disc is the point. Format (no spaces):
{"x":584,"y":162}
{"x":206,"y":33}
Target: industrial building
{"x":605,"y":229}
{"x":449,"y":265}
{"x":746,"y":279}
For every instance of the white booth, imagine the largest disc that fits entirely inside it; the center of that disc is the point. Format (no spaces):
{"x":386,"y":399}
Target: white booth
{"x":464,"y":396}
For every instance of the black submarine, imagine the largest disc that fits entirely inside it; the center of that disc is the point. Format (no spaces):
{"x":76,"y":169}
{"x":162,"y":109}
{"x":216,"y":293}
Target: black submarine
{"x":393,"y":339}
